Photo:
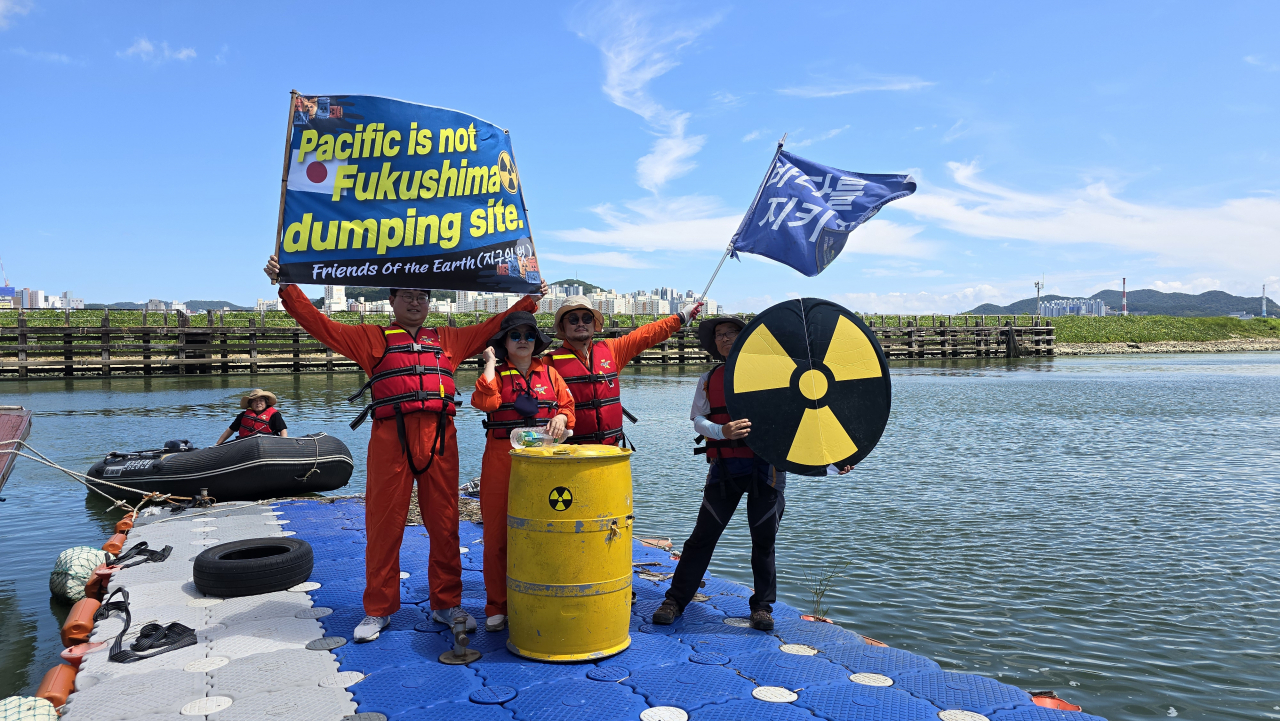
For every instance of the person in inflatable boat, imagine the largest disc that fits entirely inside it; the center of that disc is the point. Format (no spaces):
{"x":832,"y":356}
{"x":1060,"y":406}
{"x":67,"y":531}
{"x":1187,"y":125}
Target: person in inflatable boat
{"x":259,"y":416}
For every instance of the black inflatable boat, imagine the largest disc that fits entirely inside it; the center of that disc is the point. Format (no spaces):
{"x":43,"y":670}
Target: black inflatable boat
{"x":244,"y":469}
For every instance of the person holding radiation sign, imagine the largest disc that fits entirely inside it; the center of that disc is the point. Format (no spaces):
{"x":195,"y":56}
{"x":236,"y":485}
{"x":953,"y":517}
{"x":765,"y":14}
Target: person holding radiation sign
{"x":384,"y":193}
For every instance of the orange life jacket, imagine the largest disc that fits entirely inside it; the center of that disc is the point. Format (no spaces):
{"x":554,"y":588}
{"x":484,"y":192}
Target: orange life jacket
{"x":251,"y":424}
{"x":720,"y":414}
{"x":512,"y":385}
{"x":597,"y":401}
{"x":410,"y":377}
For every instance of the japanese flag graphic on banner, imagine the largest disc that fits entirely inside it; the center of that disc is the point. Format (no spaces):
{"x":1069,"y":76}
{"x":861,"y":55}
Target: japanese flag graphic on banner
{"x":314,"y":176}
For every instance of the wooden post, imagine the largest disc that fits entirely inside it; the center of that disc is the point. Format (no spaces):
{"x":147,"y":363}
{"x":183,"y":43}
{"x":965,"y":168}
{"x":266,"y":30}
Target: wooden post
{"x":144,"y":315}
{"x":183,"y":322}
{"x":146,"y":349}
{"x":67,"y":350}
{"x":328,"y":364}
{"x":106,"y":341}
{"x":226,"y":367}
{"x":253,"y":346}
{"x":22,"y":342}
{"x":297,"y":351}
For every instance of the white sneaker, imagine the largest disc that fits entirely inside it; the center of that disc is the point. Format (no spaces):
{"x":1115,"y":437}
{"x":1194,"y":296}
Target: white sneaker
{"x":447,"y":615}
{"x":496,"y":622}
{"x":370,"y":627}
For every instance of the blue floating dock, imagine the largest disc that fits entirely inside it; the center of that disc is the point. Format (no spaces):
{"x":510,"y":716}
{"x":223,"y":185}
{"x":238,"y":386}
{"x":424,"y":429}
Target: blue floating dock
{"x":707,"y":666}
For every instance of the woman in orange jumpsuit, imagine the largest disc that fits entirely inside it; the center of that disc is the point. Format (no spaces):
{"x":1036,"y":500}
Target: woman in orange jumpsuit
{"x":517,"y":390}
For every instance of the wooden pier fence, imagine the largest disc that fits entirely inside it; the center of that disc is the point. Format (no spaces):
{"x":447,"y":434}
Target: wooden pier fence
{"x":177,"y":343}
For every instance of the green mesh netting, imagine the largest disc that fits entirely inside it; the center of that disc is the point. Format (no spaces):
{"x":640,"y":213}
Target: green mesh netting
{"x":27,"y":708}
{"x":72,"y":571}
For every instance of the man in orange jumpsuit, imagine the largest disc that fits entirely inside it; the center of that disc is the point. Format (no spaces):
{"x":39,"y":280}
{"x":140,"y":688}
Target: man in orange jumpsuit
{"x":590,"y":367}
{"x":518,"y":391}
{"x":408,"y":446}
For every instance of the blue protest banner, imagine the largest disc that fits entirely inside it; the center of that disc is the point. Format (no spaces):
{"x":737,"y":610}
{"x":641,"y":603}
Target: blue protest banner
{"x":385,"y":193}
{"x":805,"y":211}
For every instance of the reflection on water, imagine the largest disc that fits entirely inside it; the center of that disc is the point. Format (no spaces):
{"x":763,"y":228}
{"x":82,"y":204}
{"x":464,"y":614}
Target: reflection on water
{"x":1104,"y":527}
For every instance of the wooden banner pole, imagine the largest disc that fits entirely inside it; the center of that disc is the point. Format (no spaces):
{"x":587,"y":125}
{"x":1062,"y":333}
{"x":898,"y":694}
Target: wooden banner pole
{"x":284,"y":177}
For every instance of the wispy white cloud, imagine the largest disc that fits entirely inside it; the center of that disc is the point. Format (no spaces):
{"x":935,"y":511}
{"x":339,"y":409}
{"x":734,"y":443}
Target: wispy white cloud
{"x":752,"y":135}
{"x":1237,"y":234}
{"x":818,"y":138}
{"x":42,"y":56}
{"x":955,"y":131}
{"x":726,"y":99}
{"x":12,"y":7}
{"x":1259,"y":61}
{"x":1194,"y":287}
{"x":836,"y":88}
{"x":145,"y":50}
{"x":686,"y":224}
{"x":607,"y":259}
{"x":635,"y":52}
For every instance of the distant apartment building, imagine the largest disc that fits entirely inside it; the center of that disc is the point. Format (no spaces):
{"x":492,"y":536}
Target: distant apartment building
{"x":335,"y":298}
{"x":1072,"y":306}
{"x":38,"y":299}
{"x":265,"y":304}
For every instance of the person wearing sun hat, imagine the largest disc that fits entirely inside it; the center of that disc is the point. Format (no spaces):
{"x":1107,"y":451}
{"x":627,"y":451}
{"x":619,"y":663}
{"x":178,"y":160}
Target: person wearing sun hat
{"x":259,"y":416}
{"x":590,"y":367}
{"x":517,"y":390}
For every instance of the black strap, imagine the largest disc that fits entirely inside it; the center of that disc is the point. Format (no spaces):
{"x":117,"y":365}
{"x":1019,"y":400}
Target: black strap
{"x":153,"y":637}
{"x":541,"y":404}
{"x":437,"y":442}
{"x":413,"y":370}
{"x":628,"y":414}
{"x":141,"y":551}
{"x":404,"y":398}
{"x":597,"y":437}
{"x":718,"y":409}
{"x":590,"y":378}
{"x":597,"y":403}
{"x":521,"y":423}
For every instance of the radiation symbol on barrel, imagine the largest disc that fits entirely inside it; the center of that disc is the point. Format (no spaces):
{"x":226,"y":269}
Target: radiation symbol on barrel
{"x":560,"y":498}
{"x":507,"y":172}
{"x":813,"y":381}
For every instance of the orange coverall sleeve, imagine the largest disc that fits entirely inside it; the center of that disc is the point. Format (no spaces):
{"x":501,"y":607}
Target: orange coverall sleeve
{"x":641,"y":339}
{"x":363,"y":344}
{"x":486,"y":398}
{"x":464,"y":342}
{"x":564,"y":397}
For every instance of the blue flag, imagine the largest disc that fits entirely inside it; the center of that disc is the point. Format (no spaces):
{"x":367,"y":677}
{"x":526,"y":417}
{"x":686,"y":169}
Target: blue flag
{"x":804,"y":211}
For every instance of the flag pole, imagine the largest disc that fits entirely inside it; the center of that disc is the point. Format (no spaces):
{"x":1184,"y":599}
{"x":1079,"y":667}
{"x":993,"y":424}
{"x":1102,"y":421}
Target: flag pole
{"x":750,"y":211}
{"x":284,"y":177}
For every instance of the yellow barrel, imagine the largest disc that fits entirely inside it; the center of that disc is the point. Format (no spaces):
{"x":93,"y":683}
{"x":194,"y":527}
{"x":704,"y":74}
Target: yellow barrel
{"x":569,"y":552}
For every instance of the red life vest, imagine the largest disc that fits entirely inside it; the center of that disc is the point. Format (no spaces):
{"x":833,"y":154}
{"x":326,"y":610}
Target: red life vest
{"x":720,"y":414}
{"x":410,"y":377}
{"x":252,"y":424}
{"x":512,"y":385}
{"x":597,"y":401}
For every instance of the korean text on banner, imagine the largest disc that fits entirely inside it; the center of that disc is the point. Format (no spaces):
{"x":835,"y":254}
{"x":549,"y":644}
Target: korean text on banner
{"x":805,"y":211}
{"x":391,"y":194}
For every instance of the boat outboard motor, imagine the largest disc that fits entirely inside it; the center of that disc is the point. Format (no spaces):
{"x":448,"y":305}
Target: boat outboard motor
{"x":178,"y":446}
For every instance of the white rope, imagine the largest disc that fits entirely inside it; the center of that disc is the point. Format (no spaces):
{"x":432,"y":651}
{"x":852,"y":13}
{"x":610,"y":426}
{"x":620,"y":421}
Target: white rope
{"x":85,"y":480}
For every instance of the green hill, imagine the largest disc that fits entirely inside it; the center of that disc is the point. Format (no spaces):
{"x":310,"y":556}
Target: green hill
{"x":1153,"y":302}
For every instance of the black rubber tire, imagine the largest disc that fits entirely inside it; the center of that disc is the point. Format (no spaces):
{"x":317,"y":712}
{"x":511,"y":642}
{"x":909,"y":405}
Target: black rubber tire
{"x":252,"y":566}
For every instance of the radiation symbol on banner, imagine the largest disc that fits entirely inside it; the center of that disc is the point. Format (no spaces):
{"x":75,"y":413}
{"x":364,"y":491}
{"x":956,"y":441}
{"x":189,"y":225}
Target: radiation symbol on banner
{"x":560,"y":498}
{"x":507,"y":172}
{"x":813,"y":381}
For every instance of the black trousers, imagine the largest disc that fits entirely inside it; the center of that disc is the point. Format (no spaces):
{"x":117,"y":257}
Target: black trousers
{"x":719,"y":500}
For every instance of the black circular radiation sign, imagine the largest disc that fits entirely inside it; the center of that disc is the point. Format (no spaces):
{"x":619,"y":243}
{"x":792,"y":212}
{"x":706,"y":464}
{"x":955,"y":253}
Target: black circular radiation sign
{"x":560,"y":498}
{"x":813,"y":381}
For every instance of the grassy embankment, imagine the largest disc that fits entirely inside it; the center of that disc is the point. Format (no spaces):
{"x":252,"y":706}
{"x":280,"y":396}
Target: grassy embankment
{"x":1154,"y":328}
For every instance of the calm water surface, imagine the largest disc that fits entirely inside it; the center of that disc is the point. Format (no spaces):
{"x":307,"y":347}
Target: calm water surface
{"x":1103,"y":527}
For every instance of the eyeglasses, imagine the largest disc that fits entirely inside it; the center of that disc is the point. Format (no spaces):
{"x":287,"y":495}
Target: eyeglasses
{"x":413,"y":299}
{"x":727,"y":335}
{"x":517,"y":336}
{"x":584,"y":319}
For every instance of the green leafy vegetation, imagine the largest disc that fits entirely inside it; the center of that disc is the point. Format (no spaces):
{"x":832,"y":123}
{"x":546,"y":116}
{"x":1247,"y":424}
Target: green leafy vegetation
{"x":1153,"y":328}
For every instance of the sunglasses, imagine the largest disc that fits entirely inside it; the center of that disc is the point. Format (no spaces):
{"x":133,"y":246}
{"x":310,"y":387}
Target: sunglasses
{"x":517,"y":336}
{"x":584,"y":319}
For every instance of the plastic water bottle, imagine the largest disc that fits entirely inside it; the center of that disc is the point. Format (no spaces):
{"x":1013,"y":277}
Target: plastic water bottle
{"x":534,"y":437}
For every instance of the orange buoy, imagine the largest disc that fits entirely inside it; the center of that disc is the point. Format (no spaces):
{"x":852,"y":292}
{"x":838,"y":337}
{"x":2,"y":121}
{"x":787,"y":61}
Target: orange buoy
{"x":58,"y":684}
{"x":1049,"y":699}
{"x":98,"y":581}
{"x":74,"y":655}
{"x":124,"y":524}
{"x":115,"y":543}
{"x":823,"y":619}
{"x":79,"y":622}
{"x":874,"y":642}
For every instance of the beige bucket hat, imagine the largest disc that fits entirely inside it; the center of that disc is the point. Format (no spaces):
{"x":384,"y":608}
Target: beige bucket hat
{"x":577,"y":302}
{"x":258,"y":393}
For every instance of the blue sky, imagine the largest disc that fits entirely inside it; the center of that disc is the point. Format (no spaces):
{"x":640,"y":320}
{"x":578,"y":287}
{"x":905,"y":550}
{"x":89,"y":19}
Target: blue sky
{"x":1084,"y":142}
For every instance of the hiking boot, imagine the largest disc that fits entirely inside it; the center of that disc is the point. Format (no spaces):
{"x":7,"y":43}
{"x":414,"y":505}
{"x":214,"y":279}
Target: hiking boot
{"x":666,"y":613}
{"x":762,"y":620}
{"x":448,"y":615}
{"x":370,"y":627}
{"x":495,"y":623}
